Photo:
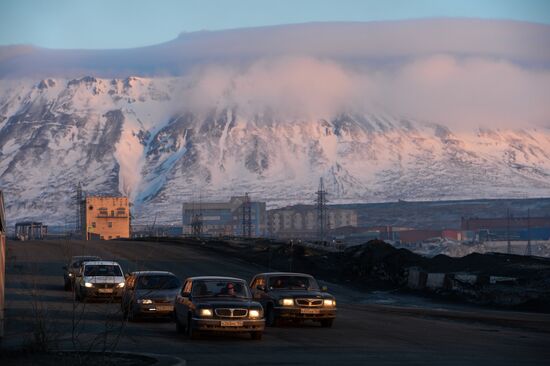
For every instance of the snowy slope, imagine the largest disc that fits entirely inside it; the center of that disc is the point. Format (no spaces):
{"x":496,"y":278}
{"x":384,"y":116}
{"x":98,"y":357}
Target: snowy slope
{"x":124,"y":136}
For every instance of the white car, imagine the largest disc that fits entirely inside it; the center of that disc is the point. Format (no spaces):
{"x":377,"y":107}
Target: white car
{"x":99,"y":279}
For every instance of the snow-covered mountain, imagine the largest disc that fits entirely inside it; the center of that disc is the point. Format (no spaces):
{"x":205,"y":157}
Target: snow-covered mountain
{"x":274,"y":110}
{"x":120,"y":136}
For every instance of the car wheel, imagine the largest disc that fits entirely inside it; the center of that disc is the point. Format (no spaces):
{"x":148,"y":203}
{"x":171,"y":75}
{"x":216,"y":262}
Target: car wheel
{"x":326,"y":323}
{"x":191,"y":333}
{"x":179,"y":327}
{"x":270,"y":319}
{"x":77,"y":295}
{"x":256,"y":335}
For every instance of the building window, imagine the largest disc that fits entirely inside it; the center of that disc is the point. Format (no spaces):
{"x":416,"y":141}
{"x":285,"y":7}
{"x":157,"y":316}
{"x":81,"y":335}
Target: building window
{"x":113,"y":213}
{"x":110,"y":237}
{"x":110,"y":224}
{"x":93,"y":224}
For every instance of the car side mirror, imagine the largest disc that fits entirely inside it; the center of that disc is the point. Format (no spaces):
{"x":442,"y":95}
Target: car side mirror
{"x":324,"y":289}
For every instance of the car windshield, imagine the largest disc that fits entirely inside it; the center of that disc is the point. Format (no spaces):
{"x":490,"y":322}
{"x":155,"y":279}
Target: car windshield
{"x":293,"y":283}
{"x":157,"y":282}
{"x":221,"y":287}
{"x":102,"y":270}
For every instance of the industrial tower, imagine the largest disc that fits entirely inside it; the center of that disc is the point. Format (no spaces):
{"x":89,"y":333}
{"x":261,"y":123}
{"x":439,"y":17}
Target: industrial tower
{"x":322,"y":216}
{"x":79,"y":208}
{"x":247,"y":217}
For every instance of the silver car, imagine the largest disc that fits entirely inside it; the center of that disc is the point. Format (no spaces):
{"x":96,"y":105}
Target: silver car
{"x":149,"y":293}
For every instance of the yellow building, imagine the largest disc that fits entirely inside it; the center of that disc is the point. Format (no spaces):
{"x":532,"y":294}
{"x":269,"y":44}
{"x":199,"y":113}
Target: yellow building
{"x":105,"y":218}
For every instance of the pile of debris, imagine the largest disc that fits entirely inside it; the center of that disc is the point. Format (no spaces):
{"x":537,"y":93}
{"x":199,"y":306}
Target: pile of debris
{"x":491,"y":278}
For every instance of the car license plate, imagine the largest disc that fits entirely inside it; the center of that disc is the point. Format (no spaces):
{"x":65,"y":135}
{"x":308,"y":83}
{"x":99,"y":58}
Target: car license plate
{"x":231,"y":323}
{"x":310,"y":311}
{"x":105,"y":290}
{"x":164,"y":307}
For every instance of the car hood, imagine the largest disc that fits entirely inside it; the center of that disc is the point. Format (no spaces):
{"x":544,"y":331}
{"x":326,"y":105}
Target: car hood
{"x":224,"y":302}
{"x":165,"y":294}
{"x":104,"y":279}
{"x":300,"y":293}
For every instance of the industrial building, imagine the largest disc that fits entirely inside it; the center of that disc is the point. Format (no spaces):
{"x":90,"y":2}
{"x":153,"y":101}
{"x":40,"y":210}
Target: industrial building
{"x":30,"y":230}
{"x":302,"y":221}
{"x":105,"y":218}
{"x":508,"y":228}
{"x":239,"y":217}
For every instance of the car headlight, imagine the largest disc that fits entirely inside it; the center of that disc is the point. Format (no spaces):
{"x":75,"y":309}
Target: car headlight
{"x":254,"y":313}
{"x":70,"y":274}
{"x":145,"y":301}
{"x":286,"y":302}
{"x":121,"y":285}
{"x":205,"y":312}
{"x":329,"y":302}
{"x":88,"y":284}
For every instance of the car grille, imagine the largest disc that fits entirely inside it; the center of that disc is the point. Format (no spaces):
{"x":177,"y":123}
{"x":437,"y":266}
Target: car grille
{"x":105,"y":285}
{"x":231,"y":313}
{"x":162,"y":301}
{"x":309,"y":302}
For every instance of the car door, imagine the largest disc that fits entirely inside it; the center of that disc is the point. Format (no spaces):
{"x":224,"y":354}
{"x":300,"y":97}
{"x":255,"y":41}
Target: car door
{"x":257,"y":287}
{"x":129,"y":291}
{"x":181,"y":304}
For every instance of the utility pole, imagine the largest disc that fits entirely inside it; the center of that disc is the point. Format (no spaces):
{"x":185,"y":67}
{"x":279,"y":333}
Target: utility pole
{"x":509,"y":247}
{"x":246,"y":217}
{"x":322,"y":224}
{"x":528,"y":250}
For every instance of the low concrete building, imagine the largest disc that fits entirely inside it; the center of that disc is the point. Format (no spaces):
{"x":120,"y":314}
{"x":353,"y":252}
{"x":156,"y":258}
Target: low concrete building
{"x":105,"y":218}
{"x":30,"y":230}
{"x":225,"y":218}
{"x":301,"y":221}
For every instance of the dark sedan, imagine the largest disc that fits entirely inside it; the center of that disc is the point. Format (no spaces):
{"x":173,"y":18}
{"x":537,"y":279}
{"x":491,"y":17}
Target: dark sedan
{"x":293,"y":296}
{"x":71,"y":270}
{"x":149,"y":293}
{"x":217,"y":304}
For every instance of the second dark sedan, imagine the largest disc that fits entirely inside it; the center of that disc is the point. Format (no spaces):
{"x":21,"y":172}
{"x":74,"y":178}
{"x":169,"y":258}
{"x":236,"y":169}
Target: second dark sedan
{"x":293,"y":296}
{"x":149,"y":293}
{"x":220,"y":304}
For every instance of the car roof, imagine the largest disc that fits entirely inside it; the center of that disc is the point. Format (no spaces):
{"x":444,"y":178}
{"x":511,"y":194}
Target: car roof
{"x":215,"y":278}
{"x":79,"y":257}
{"x":143,"y":273}
{"x":105,"y":263}
{"x":269,"y":274}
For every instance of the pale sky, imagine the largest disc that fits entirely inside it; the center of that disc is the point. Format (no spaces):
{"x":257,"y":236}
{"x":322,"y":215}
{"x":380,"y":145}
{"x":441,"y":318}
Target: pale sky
{"x":104,"y":24}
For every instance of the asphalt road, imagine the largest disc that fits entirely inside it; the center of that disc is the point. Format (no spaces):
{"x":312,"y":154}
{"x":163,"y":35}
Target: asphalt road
{"x":365,"y":332}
